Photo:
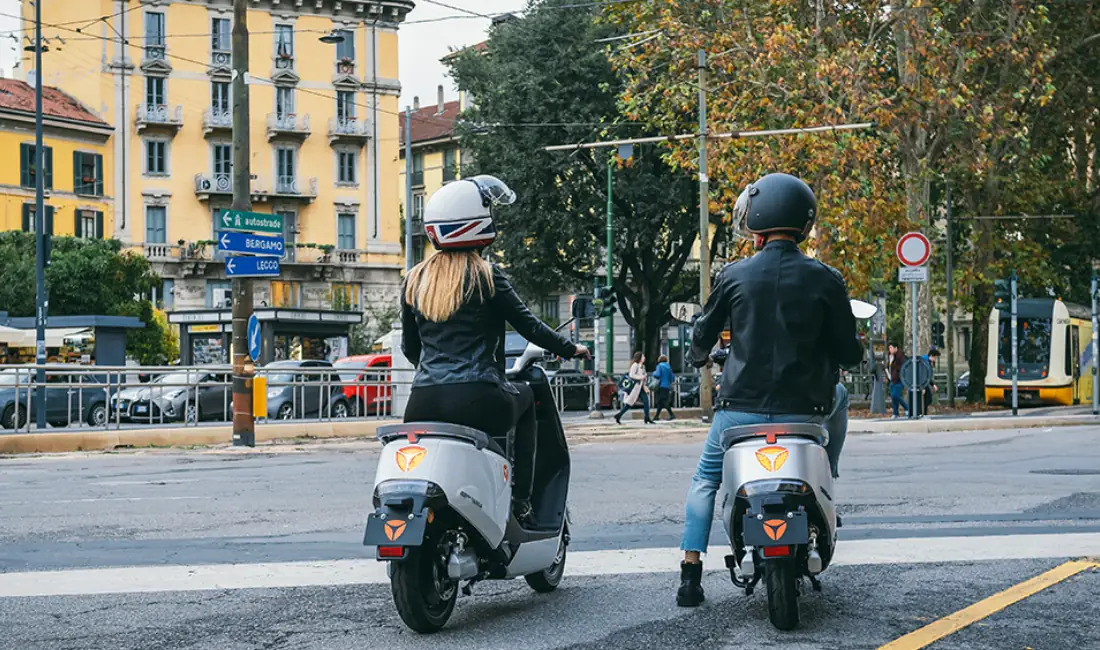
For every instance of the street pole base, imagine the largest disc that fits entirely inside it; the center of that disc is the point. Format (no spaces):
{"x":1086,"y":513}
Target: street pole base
{"x":595,"y":414}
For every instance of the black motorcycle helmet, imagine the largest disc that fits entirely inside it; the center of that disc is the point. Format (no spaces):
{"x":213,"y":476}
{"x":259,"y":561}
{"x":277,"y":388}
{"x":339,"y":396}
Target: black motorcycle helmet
{"x":777,"y":203}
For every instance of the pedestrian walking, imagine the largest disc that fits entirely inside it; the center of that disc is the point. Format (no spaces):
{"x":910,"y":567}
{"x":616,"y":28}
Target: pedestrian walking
{"x":664,"y":379}
{"x":897,"y":390}
{"x":931,"y":390}
{"x":638,"y":389}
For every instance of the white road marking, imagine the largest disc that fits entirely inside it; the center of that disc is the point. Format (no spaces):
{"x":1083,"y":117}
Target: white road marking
{"x":144,"y":579}
{"x":161,"y":481}
{"x":99,"y":499}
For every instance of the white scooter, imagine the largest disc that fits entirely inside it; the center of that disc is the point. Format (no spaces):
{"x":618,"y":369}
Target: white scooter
{"x":778,"y":509}
{"x":443,"y":516}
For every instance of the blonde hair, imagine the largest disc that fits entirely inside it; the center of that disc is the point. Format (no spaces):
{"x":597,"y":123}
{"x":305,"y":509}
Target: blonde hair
{"x":441,"y":284}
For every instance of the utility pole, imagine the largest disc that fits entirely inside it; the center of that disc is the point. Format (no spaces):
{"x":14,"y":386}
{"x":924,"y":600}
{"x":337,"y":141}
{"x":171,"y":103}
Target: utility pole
{"x":706,"y":381}
{"x":950,"y":306}
{"x":42,"y":302}
{"x":1015,"y":347}
{"x":609,"y":275}
{"x":594,"y":412}
{"x":408,"y":191}
{"x":244,"y":426}
{"x":1095,"y":350}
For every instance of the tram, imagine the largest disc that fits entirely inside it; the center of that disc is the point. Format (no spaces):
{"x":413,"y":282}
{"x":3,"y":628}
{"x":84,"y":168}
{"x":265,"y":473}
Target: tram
{"x":1054,"y":354}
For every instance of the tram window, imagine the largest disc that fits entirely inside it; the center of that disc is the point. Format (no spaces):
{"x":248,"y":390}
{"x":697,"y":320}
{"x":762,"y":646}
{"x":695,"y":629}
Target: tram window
{"x":1033,"y":339}
{"x":1069,"y":352}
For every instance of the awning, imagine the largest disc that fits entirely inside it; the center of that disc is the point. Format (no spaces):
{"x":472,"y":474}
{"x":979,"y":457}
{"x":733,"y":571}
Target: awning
{"x":55,"y":337}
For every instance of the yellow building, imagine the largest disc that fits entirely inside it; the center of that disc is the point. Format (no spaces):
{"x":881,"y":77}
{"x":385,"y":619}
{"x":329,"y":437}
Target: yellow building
{"x":77,"y":177}
{"x":324,"y":137}
{"x":436,"y":157}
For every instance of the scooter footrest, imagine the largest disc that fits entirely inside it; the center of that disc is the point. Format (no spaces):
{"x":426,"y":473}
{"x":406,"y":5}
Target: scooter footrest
{"x":731,"y":561}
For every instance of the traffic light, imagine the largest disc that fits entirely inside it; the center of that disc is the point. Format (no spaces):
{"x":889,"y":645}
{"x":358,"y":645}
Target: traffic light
{"x":1002,"y":294}
{"x":937,"y":334}
{"x":605,"y":301}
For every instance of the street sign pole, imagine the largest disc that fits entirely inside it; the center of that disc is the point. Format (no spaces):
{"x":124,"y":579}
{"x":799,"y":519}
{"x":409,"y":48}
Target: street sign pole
{"x":1095,"y":350}
{"x":913,"y":395}
{"x":594,"y":412}
{"x":913,"y":250}
{"x":244,"y":426}
{"x":1015,"y":359}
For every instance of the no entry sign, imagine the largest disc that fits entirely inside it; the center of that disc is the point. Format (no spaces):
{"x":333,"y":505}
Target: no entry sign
{"x":914,"y":249}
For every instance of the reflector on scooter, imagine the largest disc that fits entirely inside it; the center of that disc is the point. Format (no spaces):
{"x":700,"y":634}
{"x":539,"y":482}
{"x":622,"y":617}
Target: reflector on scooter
{"x":777,"y":551}
{"x":391,"y":552}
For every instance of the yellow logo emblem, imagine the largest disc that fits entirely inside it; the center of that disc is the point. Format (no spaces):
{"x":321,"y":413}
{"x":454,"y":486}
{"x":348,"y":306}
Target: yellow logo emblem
{"x":774,"y":529}
{"x":394,"y":528}
{"x":409,"y":457}
{"x":772,"y":457}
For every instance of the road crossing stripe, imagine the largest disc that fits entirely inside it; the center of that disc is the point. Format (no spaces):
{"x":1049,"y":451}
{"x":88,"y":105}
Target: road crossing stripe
{"x":952,"y":623}
{"x":156,"y":578}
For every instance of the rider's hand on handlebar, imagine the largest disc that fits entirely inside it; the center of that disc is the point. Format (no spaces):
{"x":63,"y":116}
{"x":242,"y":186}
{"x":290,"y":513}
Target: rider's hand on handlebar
{"x":582,"y":352}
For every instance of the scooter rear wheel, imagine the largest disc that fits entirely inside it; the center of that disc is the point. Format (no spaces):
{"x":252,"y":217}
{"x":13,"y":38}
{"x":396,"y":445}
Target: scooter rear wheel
{"x":782,"y":583}
{"x":422,"y":592}
{"x":549,"y":578}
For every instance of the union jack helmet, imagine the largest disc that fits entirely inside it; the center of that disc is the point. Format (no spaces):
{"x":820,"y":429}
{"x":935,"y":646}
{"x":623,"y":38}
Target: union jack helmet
{"x":460,"y":214}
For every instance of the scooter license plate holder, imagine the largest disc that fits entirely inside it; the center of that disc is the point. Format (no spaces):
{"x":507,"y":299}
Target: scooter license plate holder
{"x":777,"y":529}
{"x":395,"y":529}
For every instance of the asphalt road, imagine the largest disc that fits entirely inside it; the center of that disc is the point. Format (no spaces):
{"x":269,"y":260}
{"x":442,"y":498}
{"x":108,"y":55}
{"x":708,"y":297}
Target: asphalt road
{"x":933,"y":524}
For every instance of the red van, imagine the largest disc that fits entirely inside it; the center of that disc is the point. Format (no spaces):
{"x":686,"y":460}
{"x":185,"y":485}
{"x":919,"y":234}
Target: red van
{"x":366,"y":383}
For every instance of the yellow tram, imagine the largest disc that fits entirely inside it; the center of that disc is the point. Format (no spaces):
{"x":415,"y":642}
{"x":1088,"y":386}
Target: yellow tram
{"x":1054,"y":354}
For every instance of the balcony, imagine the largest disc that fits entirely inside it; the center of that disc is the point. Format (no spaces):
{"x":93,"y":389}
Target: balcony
{"x":159,"y":116}
{"x":450,"y":173}
{"x":284,"y":61}
{"x":348,"y":131}
{"x":289,"y":125}
{"x":161,"y":252}
{"x":288,"y":187}
{"x":417,"y":225}
{"x":418,"y":178}
{"x":216,"y":121}
{"x":208,"y":186}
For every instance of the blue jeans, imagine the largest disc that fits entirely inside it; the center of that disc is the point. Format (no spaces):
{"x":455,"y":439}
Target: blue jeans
{"x":708,"y":474}
{"x":897,"y":392}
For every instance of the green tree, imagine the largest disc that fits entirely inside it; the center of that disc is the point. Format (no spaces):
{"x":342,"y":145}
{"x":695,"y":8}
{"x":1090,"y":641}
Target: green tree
{"x":87,"y":276}
{"x":543,"y":81}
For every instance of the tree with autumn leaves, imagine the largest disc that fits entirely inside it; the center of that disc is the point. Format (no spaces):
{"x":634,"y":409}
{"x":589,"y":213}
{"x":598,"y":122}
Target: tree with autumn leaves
{"x":991,"y":97}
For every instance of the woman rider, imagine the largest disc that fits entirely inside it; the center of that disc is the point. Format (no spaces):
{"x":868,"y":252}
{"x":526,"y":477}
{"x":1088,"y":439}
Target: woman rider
{"x":453,"y":310}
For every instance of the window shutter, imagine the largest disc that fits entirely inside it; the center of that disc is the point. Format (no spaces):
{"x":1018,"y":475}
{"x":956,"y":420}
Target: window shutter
{"x":98,"y":224}
{"x":26,"y":217}
{"x":99,"y":176}
{"x":25,"y":163}
{"x":47,"y":180}
{"x":78,"y":182}
{"x":76,"y":223}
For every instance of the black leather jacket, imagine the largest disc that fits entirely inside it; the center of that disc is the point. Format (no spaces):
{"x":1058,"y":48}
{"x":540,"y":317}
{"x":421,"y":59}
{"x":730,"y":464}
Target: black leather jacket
{"x":791,"y":328}
{"x":470,"y":346}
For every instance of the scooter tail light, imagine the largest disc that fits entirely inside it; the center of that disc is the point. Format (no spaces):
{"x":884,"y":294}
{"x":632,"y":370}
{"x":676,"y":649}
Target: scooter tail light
{"x":777,"y":551}
{"x":391,"y":552}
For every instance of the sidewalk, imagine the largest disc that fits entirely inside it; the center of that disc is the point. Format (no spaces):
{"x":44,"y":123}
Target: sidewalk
{"x":62,"y":441}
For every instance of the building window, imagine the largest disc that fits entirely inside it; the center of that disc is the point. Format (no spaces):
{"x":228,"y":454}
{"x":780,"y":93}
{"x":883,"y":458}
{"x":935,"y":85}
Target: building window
{"x":284,"y":41}
{"x":418,"y":214}
{"x":286,"y":181}
{"x":154,"y":92}
{"x":345,"y":296}
{"x":88,"y":173}
{"x":219,"y":96}
{"x":155,"y":34}
{"x":345,"y":49}
{"x":223,"y":160}
{"x":89,"y":224}
{"x":156,"y":224}
{"x":30,"y":222}
{"x":27,"y":161}
{"x":219,"y":294}
{"x":290,"y":233}
{"x":345,"y":106}
{"x":550,"y":308}
{"x":345,"y":167}
{"x":418,"y":170}
{"x":168,"y":294}
{"x":285,"y":293}
{"x":284,"y":102}
{"x":345,"y":238}
{"x":450,"y":164}
{"x":219,"y":34}
{"x":156,"y":157}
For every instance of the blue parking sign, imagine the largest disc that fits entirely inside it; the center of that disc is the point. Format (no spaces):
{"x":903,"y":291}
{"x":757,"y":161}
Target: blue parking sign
{"x":254,"y":337}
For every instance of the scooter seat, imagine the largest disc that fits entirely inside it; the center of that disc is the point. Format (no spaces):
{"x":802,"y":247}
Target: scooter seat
{"x":809,"y":430}
{"x":478,"y":438}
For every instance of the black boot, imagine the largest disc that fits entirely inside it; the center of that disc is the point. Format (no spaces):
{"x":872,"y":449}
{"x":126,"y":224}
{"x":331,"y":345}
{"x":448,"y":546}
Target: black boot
{"x":690,"y":593}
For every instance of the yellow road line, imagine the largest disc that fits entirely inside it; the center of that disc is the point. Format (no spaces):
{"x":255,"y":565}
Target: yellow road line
{"x":952,"y":623}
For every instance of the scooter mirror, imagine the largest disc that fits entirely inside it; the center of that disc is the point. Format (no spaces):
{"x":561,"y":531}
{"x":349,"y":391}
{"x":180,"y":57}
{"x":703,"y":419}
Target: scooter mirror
{"x":863,"y":310}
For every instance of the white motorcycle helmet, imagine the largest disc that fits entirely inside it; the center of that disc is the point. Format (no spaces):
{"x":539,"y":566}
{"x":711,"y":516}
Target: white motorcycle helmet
{"x":460,"y":214}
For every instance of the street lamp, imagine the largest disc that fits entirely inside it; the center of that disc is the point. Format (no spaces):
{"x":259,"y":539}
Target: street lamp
{"x":332,"y":38}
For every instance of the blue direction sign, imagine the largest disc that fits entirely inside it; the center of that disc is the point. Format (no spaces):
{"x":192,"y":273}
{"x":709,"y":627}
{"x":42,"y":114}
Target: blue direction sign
{"x":242,"y":267}
{"x":254,"y":337}
{"x":241,"y":242}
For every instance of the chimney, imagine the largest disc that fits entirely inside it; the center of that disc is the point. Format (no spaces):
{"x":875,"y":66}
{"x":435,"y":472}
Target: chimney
{"x":416,"y":103}
{"x":439,"y":91}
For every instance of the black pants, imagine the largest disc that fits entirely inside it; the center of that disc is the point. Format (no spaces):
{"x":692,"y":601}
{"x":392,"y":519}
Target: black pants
{"x":664,"y":401}
{"x":489,"y":408}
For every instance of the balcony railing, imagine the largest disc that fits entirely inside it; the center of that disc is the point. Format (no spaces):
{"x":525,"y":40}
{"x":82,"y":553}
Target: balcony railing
{"x":160,"y":115}
{"x":418,"y":178}
{"x":289,"y":186}
{"x":450,"y":173}
{"x":221,"y":58}
{"x":288,"y":124}
{"x":417,"y":224}
{"x":284,"y":61}
{"x":345,"y":67}
{"x":216,"y":120}
{"x":155,"y":52}
{"x":348,"y":130}
{"x":210,"y":185}
{"x":161,"y":252}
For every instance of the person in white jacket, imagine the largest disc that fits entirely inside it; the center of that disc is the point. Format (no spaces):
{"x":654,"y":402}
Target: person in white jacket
{"x":638,"y":391}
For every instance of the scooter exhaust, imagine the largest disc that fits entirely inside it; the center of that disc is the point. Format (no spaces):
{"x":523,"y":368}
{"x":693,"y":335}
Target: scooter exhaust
{"x":462,"y":565}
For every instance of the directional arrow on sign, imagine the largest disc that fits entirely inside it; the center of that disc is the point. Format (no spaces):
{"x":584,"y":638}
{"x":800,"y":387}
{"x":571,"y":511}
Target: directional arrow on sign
{"x":239,"y":242}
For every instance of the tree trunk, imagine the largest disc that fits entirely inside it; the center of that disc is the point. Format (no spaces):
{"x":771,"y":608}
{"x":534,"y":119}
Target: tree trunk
{"x":983,"y":303}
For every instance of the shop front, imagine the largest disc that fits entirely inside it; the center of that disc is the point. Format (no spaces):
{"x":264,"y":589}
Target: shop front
{"x":99,"y":340}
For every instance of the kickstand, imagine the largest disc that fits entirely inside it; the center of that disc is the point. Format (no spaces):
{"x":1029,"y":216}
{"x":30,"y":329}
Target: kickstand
{"x":815,"y":582}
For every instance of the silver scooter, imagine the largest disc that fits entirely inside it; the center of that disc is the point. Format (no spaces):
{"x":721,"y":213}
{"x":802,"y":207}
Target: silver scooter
{"x":443,"y":517}
{"x":778,"y":508}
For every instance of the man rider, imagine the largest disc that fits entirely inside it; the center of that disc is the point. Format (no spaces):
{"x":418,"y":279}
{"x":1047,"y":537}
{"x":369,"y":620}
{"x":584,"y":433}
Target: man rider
{"x":791,"y":327}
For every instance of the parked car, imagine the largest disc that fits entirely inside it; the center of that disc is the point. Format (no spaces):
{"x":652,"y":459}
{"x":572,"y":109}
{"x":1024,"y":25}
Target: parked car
{"x":962,"y":384}
{"x":367,"y":383}
{"x":304,"y":394}
{"x":178,"y":396}
{"x":689,"y":390}
{"x":66,"y":403}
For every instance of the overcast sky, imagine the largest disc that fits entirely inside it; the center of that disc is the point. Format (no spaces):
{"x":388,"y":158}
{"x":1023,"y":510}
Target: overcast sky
{"x":424,"y":44}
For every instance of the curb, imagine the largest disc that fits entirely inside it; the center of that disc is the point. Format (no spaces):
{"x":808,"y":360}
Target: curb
{"x":970,"y":424}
